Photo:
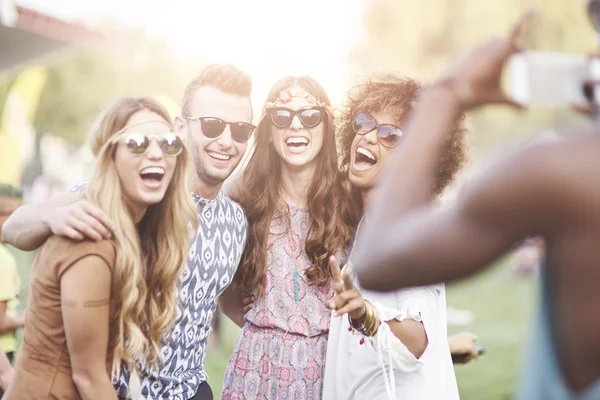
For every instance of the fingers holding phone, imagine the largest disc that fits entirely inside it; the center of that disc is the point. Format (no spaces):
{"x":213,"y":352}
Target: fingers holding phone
{"x":463,"y":347}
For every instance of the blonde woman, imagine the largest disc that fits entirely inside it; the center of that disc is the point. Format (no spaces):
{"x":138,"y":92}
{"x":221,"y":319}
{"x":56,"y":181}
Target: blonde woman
{"x":97,"y":306}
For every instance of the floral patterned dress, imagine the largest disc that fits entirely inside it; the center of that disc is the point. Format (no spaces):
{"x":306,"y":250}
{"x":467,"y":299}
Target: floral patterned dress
{"x":281,"y":350}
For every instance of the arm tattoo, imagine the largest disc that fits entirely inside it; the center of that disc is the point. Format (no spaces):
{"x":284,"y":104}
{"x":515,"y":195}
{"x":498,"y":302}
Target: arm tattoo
{"x":96,"y":303}
{"x":86,"y":304}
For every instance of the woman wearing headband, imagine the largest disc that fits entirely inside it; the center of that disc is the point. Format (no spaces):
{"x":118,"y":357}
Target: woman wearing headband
{"x":96,"y":307}
{"x":387,"y":345}
{"x":299,"y":215}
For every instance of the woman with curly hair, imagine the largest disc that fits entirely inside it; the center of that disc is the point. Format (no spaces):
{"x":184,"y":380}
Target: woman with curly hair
{"x":389,"y":345}
{"x":299,"y":215}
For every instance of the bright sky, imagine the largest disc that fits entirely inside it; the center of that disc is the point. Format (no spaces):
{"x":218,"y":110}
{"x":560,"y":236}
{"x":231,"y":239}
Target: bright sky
{"x":267,"y":38}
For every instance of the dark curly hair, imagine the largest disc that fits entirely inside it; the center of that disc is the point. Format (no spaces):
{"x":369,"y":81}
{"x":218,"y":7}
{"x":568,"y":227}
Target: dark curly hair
{"x":397,"y":95}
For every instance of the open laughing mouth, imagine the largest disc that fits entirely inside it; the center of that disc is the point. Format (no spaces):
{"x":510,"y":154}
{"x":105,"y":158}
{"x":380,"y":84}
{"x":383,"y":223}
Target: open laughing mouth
{"x":364,"y":159}
{"x":297,"y":142}
{"x":152,"y":176}
{"x":220,"y":157}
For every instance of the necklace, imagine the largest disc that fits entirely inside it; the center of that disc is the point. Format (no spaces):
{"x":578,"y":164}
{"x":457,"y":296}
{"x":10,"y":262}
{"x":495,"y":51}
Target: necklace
{"x":289,"y":241}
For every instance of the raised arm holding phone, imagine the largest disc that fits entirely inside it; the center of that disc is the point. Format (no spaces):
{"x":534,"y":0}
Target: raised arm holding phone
{"x":549,"y":190}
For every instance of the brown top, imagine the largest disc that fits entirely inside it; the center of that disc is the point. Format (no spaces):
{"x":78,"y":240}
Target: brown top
{"x":43,"y":368}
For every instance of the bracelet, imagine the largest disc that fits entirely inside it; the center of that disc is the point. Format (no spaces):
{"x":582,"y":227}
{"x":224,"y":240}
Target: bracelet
{"x":359,"y":324}
{"x":370,"y":321}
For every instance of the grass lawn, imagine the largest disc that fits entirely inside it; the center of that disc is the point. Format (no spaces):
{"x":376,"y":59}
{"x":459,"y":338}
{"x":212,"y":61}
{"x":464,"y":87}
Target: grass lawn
{"x":502,"y":304}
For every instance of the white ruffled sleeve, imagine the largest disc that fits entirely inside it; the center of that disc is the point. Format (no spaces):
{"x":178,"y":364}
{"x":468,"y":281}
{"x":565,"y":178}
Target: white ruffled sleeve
{"x":418,"y":304}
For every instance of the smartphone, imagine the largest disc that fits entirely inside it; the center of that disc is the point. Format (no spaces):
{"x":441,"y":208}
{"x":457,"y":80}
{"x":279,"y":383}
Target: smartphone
{"x":551,"y":79}
{"x":460,"y":358}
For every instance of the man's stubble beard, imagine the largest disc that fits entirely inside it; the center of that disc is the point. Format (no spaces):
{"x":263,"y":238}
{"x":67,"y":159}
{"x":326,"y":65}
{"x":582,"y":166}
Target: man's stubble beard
{"x":203,"y":173}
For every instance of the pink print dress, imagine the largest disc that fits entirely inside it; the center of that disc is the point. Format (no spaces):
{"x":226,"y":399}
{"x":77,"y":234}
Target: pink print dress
{"x":281,"y":350}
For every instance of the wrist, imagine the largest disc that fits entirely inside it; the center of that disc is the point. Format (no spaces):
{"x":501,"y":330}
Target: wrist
{"x":370,"y":322}
{"x":6,"y":379}
{"x":46,"y":216}
{"x":456,"y":92}
{"x":360,"y":316}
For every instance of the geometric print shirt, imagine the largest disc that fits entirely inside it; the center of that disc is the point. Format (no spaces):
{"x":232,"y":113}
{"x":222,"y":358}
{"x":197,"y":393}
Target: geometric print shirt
{"x":213,"y":258}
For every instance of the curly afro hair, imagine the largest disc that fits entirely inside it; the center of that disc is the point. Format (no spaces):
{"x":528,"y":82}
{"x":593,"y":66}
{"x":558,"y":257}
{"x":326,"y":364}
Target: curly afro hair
{"x":397,"y":96}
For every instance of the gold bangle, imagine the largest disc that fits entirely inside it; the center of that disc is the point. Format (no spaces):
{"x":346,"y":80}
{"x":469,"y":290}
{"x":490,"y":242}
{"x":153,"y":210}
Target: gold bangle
{"x":368,"y":325}
{"x":358,"y":324}
{"x":371,"y":322}
{"x":374,"y":325}
{"x":376,"y":322}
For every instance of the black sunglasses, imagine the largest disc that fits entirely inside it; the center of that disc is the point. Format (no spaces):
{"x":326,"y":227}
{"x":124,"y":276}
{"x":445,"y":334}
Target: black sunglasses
{"x":388,"y":135}
{"x":282,"y":117}
{"x":212,"y":127}
{"x":137,"y":143}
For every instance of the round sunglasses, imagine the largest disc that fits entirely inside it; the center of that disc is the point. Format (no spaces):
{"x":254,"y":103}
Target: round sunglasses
{"x":282,"y":117}
{"x":213,"y":127}
{"x":137,"y":143}
{"x":388,"y":135}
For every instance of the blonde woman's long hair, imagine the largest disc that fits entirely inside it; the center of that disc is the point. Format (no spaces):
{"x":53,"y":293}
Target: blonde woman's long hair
{"x":151,"y":255}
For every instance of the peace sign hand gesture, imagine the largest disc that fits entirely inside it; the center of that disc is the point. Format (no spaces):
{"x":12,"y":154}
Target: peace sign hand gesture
{"x":347,"y":298}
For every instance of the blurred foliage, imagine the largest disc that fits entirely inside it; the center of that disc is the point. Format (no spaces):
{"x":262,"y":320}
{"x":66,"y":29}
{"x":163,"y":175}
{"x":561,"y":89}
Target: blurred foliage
{"x":7,"y":190}
{"x":85,"y":82}
{"x":416,"y":38}
{"x":80,"y":87}
{"x":419,"y":38}
{"x":5,"y":85}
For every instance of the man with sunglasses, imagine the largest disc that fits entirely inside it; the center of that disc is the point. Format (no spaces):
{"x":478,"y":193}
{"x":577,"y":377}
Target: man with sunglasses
{"x":216,"y":121}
